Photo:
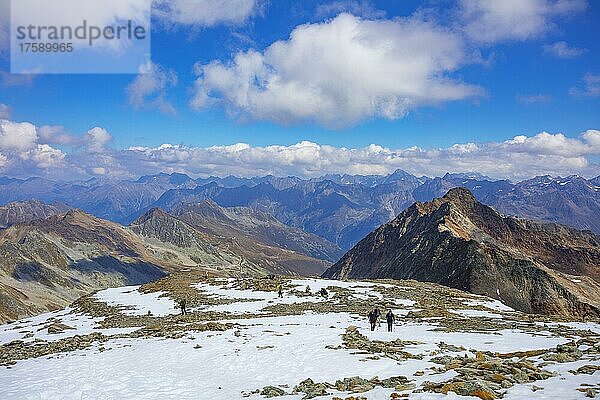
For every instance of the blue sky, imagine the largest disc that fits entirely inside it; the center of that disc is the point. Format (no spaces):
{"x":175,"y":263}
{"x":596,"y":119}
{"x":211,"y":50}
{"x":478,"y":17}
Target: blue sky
{"x":543,"y":77}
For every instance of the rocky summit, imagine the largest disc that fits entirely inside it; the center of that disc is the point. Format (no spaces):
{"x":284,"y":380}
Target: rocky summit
{"x":458,"y":242}
{"x":239,"y":340}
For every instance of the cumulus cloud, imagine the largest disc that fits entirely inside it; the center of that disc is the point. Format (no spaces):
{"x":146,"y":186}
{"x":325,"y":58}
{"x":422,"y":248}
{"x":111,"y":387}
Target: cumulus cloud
{"x":548,"y":144}
{"x":17,"y":136}
{"x":487,"y":21}
{"x":55,"y":134}
{"x":44,"y":156}
{"x":520,"y":157}
{"x":563,"y":50}
{"x":339,"y":72}
{"x":149,"y":89}
{"x":517,"y":158}
{"x":27,"y":150}
{"x":19,"y":148}
{"x":96,"y":140}
{"x":590,"y":86}
{"x":204,"y":12}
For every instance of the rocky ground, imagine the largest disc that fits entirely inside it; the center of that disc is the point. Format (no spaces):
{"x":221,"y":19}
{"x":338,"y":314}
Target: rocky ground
{"x":239,"y":340}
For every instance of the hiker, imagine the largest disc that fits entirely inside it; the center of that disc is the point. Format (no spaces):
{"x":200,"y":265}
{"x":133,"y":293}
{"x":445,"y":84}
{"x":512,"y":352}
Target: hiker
{"x":390,"y":317}
{"x":182,"y":306}
{"x":373,"y":315}
{"x":307,"y":290}
{"x":280,"y":291}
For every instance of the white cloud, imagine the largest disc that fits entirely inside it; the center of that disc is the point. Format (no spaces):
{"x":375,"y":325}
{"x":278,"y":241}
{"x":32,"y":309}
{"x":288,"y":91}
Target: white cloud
{"x":17,"y":136}
{"x":340,"y":72}
{"x":204,"y":12}
{"x":487,"y":21}
{"x":44,"y":156}
{"x":562,"y":50}
{"x":149,"y":88}
{"x":96,"y":140}
{"x":26,"y":142}
{"x":592,"y":137}
{"x":555,"y":144}
{"x":19,"y":147}
{"x":590,"y":86}
{"x":520,"y":157}
{"x":517,"y":158}
{"x":54,"y":134}
{"x":5,"y":111}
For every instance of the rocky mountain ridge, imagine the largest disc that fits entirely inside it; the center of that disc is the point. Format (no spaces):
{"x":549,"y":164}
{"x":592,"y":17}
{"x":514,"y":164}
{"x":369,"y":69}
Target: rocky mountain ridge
{"x":256,"y":225}
{"x":458,"y":242}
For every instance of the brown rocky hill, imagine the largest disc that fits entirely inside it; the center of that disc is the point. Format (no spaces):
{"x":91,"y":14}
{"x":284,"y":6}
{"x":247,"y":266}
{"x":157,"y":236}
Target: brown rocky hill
{"x":458,"y":242}
{"x":256,"y":225}
{"x":236,"y":252}
{"x":48,"y":263}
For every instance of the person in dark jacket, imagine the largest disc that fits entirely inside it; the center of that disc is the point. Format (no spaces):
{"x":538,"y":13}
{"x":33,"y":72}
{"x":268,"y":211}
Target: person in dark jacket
{"x":378,"y":313}
{"x":182,"y":305}
{"x":373,"y":315}
{"x":390,"y":317}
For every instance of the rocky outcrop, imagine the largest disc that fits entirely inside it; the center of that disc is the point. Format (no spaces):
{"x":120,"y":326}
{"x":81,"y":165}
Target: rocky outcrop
{"x":458,"y":242}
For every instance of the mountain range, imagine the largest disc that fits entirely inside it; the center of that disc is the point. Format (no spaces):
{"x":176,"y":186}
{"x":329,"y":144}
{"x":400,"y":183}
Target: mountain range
{"x":339,"y":208}
{"x":47,"y":263}
{"x":459,"y":242}
{"x":64,"y":239}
